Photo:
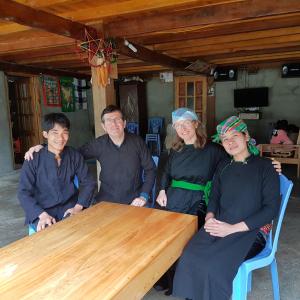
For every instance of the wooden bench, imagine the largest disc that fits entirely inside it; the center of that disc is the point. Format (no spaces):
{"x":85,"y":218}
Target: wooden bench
{"x":286,"y":154}
{"x":109,"y":251}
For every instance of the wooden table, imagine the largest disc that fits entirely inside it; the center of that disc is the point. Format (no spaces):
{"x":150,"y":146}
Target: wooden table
{"x":109,"y":251}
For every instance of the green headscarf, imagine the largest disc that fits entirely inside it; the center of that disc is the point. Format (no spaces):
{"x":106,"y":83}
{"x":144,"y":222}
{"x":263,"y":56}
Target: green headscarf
{"x":235,"y":123}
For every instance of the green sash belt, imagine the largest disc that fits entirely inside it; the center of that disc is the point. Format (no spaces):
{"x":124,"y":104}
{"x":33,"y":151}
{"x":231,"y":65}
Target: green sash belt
{"x":193,"y":187}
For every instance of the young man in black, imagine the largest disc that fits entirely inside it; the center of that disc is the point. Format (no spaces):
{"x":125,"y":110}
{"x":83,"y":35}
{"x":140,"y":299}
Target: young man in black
{"x":47,"y":191}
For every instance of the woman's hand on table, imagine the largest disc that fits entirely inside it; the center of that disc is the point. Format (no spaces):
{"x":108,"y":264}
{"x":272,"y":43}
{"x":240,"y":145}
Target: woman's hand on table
{"x":162,"y":198}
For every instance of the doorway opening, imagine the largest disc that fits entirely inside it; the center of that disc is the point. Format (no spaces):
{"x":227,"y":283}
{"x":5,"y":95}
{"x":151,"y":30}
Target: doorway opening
{"x":25,"y":115}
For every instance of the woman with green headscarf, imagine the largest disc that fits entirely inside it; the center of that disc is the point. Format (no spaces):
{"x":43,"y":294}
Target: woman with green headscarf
{"x":245,"y":196}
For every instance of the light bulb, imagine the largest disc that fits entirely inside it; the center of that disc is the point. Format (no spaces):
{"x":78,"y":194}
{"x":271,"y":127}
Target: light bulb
{"x":130,"y":46}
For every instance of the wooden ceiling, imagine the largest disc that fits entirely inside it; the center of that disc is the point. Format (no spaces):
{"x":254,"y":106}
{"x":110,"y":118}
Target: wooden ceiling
{"x":169,"y":33}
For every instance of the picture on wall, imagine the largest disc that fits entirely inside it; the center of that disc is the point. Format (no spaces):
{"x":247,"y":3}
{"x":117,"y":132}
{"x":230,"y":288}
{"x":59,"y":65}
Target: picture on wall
{"x":67,"y":94}
{"x":51,"y":91}
{"x":80,"y":87}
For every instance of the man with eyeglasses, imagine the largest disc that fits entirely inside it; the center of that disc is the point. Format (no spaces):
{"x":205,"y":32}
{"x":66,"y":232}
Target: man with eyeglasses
{"x":123,"y":157}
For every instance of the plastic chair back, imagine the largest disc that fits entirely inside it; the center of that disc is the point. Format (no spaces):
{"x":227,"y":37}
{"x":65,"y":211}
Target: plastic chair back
{"x":243,"y":280}
{"x":153,"y":192}
{"x":155,"y":159}
{"x":153,"y":138}
{"x":155,"y":125}
{"x":285,"y":191}
{"x":76,"y":182}
{"x":133,"y":127}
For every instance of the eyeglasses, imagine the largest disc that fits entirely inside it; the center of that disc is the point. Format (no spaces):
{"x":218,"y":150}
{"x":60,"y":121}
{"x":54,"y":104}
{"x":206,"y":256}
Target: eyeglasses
{"x":110,"y":121}
{"x":183,"y":124}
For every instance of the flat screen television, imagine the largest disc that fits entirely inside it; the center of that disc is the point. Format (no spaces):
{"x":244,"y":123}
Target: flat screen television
{"x":251,"y":97}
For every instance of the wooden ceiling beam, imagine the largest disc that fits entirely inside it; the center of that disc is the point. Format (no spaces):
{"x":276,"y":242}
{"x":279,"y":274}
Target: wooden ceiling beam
{"x":150,"y":56}
{"x":12,"y":28}
{"x":19,"y":13}
{"x":62,"y":65}
{"x":282,"y":34}
{"x":105,"y":10}
{"x":42,"y":42}
{"x":140,"y":69}
{"x":13,"y":67}
{"x":37,"y":53}
{"x":115,"y":9}
{"x":222,"y":13}
{"x":101,"y":9}
{"x":249,"y":53}
{"x":233,"y":47}
{"x":85,"y":68}
{"x":44,"y":3}
{"x":195,"y":53}
{"x":52,"y":58}
{"x":213,"y":30}
{"x":280,"y":57}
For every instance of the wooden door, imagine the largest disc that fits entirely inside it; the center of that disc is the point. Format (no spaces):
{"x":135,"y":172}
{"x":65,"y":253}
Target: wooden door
{"x":131,"y":98}
{"x":27,"y":114}
{"x":191,"y":92}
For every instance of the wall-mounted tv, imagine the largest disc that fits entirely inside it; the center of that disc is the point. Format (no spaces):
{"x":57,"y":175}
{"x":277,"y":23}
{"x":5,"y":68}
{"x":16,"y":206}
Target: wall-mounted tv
{"x":251,"y":97}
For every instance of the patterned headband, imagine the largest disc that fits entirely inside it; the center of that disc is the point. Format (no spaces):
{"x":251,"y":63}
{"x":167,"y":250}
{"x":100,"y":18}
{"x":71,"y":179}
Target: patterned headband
{"x":235,"y":123}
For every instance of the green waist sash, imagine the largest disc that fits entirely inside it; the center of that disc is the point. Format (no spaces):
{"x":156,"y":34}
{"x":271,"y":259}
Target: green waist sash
{"x":206,"y":189}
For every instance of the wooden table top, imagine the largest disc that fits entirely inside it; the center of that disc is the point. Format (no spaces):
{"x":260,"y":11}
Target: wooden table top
{"x":109,"y":251}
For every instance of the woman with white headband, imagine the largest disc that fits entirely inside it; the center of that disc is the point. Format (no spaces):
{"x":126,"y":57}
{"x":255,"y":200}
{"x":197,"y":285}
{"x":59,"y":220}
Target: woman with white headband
{"x":185,"y":183}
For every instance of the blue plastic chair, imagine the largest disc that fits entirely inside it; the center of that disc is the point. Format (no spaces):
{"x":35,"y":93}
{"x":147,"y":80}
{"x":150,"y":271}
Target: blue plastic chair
{"x":243,"y":279}
{"x":153,"y":192}
{"x":133,"y":127}
{"x":32,"y":230}
{"x":155,"y":125}
{"x":153,"y":196}
{"x":153,"y":138}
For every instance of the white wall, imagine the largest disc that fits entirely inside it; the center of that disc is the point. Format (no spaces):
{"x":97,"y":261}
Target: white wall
{"x":160,"y":99}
